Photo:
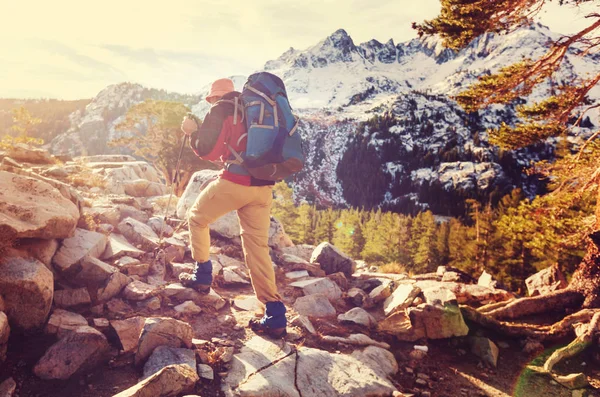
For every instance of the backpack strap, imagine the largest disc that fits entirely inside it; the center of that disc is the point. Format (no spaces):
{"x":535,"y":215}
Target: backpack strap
{"x":263,"y":95}
{"x":236,"y":108}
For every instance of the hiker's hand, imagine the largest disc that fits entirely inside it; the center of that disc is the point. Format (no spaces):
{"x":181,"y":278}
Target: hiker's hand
{"x":189,"y":126}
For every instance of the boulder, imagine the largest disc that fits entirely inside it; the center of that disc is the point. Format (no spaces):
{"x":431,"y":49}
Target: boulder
{"x":303,"y":251}
{"x":250,"y":304}
{"x":28,"y":154}
{"x":314,"y":306}
{"x":162,"y":331}
{"x":206,"y":372}
{"x":170,"y":381}
{"x":128,"y":332}
{"x":118,"y":246}
{"x":144,"y":188}
{"x":8,"y":388}
{"x":323,"y":286}
{"x":164,"y":356}
{"x":139,"y":291}
{"x":487,"y":280}
{"x":74,"y":249}
{"x":277,"y":237}
{"x":180,"y":293}
{"x":72,"y":297}
{"x":40,"y":249}
{"x":30,"y":208}
{"x":548,"y":280}
{"x":159,"y":225}
{"x":27,"y":288}
{"x":355,"y":340}
{"x":4,"y":335}
{"x":233,"y":276}
{"x":94,"y":272}
{"x":439,"y":295}
{"x":112,"y":286}
{"x":485,"y":349}
{"x":358,"y":316}
{"x":188,"y":308}
{"x":81,"y":350}
{"x":62,"y":322}
{"x":402,"y":298}
{"x":264,"y":368}
{"x":359,"y":297}
{"x":332,"y":260}
{"x":139,"y":233}
{"x":179,"y":268}
{"x":439,"y":322}
{"x":196,"y":184}
{"x":382,"y":292}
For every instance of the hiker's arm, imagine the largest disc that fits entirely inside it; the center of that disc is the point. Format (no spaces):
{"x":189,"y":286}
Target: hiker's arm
{"x":211,"y":125}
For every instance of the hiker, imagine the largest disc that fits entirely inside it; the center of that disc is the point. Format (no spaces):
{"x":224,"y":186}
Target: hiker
{"x":235,"y":189}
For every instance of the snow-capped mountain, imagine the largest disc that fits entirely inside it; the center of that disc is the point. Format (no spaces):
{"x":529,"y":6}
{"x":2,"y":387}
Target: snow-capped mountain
{"x":425,"y":153}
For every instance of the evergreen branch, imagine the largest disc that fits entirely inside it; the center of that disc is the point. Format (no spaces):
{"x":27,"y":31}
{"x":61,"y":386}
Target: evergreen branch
{"x":594,"y":136}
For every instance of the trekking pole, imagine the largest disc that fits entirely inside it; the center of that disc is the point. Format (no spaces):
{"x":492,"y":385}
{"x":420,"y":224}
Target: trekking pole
{"x":162,"y":228}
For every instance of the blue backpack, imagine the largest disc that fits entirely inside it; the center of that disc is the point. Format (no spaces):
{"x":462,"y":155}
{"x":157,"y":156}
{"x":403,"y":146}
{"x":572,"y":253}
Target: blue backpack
{"x":274,"y":146}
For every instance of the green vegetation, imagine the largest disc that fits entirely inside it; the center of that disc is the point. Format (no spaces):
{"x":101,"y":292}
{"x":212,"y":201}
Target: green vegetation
{"x":512,"y":241}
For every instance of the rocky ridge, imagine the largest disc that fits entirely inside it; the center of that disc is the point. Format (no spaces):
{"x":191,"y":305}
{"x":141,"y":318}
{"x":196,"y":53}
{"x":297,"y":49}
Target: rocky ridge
{"x":102,"y":298}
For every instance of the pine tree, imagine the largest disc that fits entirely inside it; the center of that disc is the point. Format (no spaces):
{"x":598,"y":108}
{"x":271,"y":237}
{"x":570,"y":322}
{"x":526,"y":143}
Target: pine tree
{"x":284,"y":210}
{"x":423,"y":242}
{"x":325,"y":227}
{"x":305,"y":224}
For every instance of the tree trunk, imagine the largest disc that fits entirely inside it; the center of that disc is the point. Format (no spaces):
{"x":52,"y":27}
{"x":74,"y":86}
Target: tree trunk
{"x":586,"y":279}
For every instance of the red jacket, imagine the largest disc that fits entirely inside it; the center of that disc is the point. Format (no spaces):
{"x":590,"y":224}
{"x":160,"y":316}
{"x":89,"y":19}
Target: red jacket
{"x":219,"y":126}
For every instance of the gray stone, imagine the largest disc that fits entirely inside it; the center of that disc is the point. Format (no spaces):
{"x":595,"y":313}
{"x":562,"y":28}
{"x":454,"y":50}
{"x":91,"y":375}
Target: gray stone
{"x":355,"y":340}
{"x":179,"y":268}
{"x":233,"y":276}
{"x":74,"y":249}
{"x":164,"y":356}
{"x":27,"y":289}
{"x":118,"y":246}
{"x":81,"y":350}
{"x":358,"y":316}
{"x":359,"y":297}
{"x":206,"y":372}
{"x":304,"y":322}
{"x":314,"y":306}
{"x":170,"y":381}
{"x":487,"y":280}
{"x":439,"y":295}
{"x":332,"y":260}
{"x":546,"y":281}
{"x":402,"y":298}
{"x":139,"y":233}
{"x":162,"y":331}
{"x":62,"y":322}
{"x":485,"y":349}
{"x":300,"y":274}
{"x":322,"y":286}
{"x":28,"y":154}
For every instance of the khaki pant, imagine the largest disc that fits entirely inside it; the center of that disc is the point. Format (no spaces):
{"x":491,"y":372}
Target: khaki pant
{"x":253,"y":205}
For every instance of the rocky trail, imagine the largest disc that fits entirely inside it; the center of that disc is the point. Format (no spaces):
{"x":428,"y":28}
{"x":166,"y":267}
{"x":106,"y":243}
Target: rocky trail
{"x":88,"y":309}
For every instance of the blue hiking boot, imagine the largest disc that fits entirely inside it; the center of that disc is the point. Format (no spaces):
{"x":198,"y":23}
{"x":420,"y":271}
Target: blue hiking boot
{"x":273,"y":323}
{"x":200,"y":280}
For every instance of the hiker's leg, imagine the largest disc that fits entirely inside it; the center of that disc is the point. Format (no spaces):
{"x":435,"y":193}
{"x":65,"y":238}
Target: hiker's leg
{"x":217,"y":199}
{"x":254,"y":222}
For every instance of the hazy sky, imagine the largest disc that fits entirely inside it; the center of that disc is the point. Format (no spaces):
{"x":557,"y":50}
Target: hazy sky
{"x":73,"y":48}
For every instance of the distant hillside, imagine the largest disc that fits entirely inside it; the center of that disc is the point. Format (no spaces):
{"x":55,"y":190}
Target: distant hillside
{"x":54,"y":114}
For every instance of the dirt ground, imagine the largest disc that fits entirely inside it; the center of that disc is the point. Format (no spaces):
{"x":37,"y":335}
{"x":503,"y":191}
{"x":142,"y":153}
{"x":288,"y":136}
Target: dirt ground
{"x":449,"y":369}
